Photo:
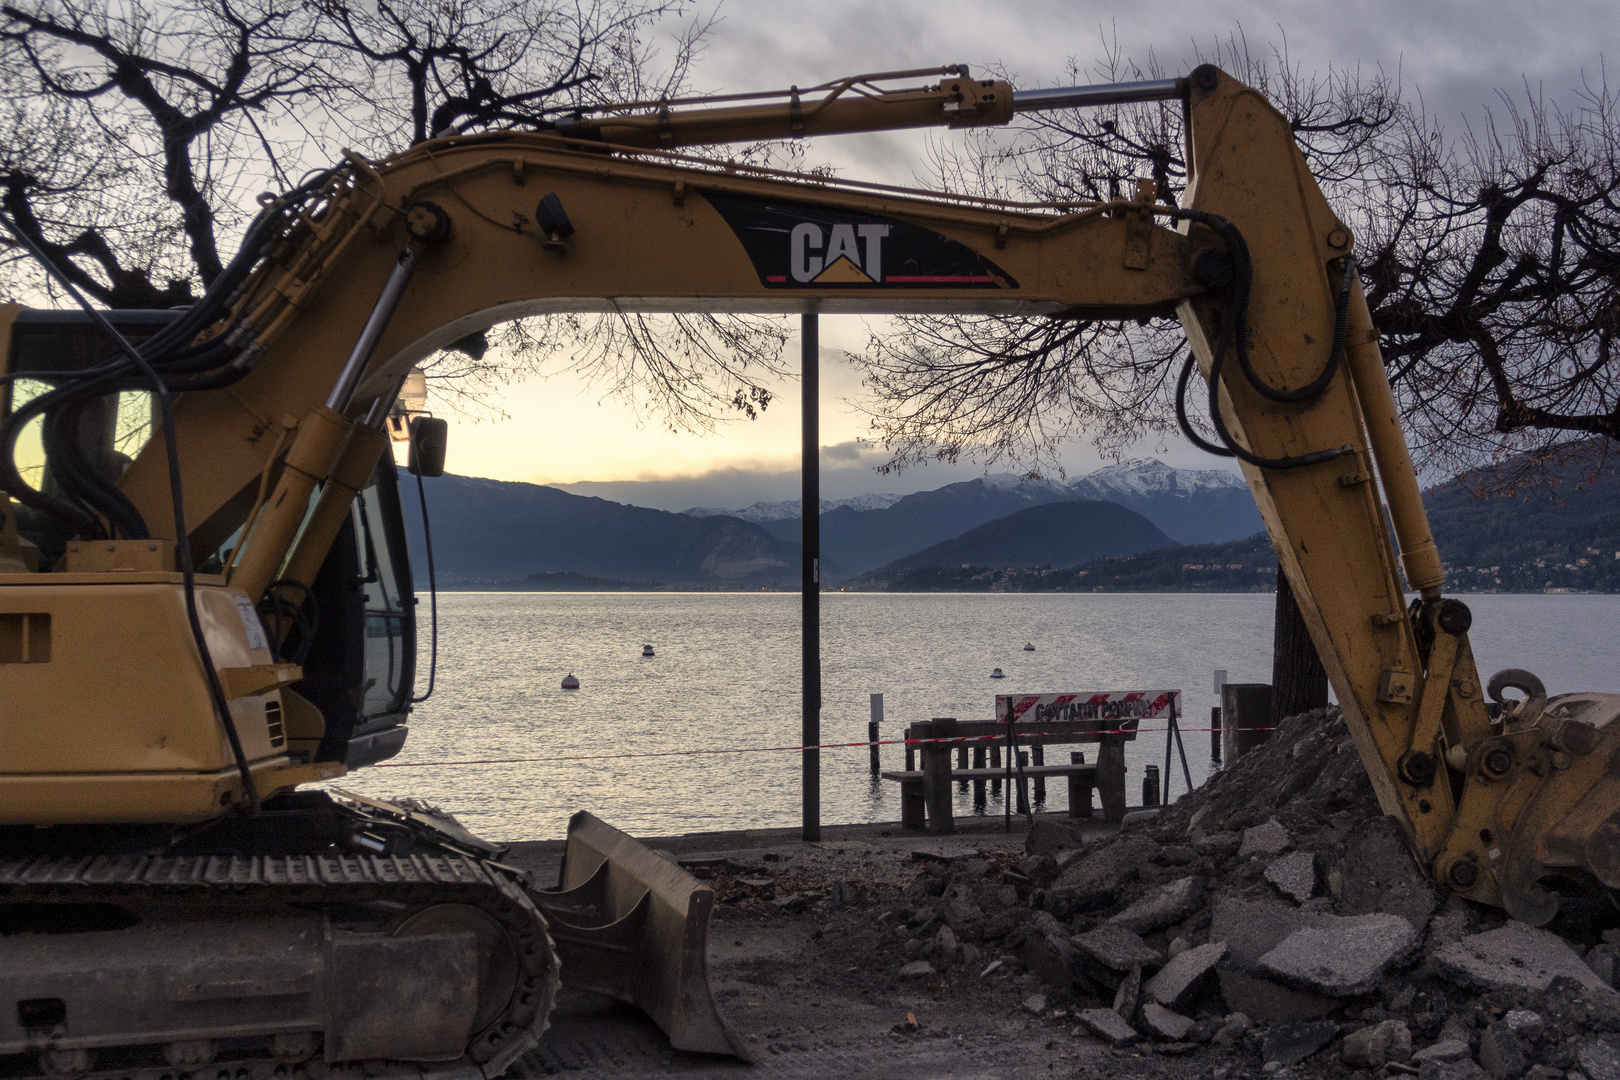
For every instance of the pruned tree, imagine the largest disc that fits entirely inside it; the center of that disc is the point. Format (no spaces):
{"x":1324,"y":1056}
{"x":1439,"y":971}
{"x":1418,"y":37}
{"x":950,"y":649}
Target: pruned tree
{"x":1489,"y":261}
{"x":137,"y":135}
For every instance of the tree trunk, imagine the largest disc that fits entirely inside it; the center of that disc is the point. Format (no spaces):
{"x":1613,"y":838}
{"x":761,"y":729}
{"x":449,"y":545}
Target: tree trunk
{"x":1298,"y":680}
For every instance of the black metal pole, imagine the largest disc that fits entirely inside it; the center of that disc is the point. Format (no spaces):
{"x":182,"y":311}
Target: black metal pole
{"x":810,"y":537}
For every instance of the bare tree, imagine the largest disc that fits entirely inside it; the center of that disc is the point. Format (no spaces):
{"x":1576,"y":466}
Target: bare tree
{"x":1490,"y":263}
{"x":136,"y":136}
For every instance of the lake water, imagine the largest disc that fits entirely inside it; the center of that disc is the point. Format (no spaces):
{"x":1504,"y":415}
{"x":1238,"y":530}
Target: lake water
{"x":726,"y":676}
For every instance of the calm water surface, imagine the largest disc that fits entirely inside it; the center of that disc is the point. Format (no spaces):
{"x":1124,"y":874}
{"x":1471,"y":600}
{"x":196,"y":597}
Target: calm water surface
{"x":726,"y":675}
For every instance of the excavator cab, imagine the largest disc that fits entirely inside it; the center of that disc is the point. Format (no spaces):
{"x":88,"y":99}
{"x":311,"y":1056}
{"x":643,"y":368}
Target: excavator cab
{"x":355,"y":634}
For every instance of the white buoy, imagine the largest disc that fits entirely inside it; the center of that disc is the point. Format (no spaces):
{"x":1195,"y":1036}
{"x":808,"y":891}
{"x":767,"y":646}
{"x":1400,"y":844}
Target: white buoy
{"x":569,"y":682}
{"x":647,"y":650}
{"x":996,"y":674}
{"x":1029,"y":646}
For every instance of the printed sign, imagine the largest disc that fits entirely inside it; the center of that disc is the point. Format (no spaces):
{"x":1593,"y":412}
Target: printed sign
{"x":805,"y":246}
{"x":1108,"y":710}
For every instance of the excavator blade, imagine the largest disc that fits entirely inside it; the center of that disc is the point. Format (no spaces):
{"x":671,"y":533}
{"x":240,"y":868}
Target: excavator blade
{"x":634,"y":926}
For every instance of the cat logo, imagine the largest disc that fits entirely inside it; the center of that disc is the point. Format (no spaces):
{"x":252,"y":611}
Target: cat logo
{"x":805,"y":246}
{"x":840,"y":261}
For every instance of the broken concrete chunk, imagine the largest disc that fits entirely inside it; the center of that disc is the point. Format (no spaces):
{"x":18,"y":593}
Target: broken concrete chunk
{"x":1163,"y":907}
{"x":1268,"y":839}
{"x":1177,"y":978}
{"x":1117,"y":948}
{"x":1252,"y":928}
{"x":1129,"y":994}
{"x":1380,"y":875}
{"x":1451,"y":1070}
{"x":1269,"y":1003}
{"x":1092,"y":880}
{"x":1500,"y":1054}
{"x":1290,"y":1044}
{"x":1048,"y":837}
{"x":1598,"y":1060}
{"x":1294,"y":875}
{"x":1035,"y":1003}
{"x":1444,"y":1050}
{"x":1515,"y":957}
{"x":1219,"y":844}
{"x":1177,"y":946}
{"x":1604,"y":960}
{"x":1050,"y":957}
{"x":1165,"y":1024}
{"x":1108,"y":1025}
{"x":963,"y":916}
{"x":1523,"y":1023}
{"x":1068,"y":857}
{"x":1343,"y":958}
{"x":1376,"y":1044}
{"x":1233,"y":1028}
{"x":917,"y":969}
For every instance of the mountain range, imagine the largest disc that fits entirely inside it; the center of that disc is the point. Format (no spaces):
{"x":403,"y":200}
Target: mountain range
{"x":994,"y":532}
{"x":1053,"y":534}
{"x":859,"y":535}
{"x":489,"y":531}
{"x":496,"y":531}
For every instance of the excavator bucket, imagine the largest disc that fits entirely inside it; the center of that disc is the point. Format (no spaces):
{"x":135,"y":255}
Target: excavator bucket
{"x":634,"y":926}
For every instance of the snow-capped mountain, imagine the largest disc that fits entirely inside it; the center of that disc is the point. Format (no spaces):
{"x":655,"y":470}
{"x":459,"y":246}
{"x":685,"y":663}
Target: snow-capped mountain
{"x":789,"y":508}
{"x":1191,"y":506}
{"x":1147,"y":477}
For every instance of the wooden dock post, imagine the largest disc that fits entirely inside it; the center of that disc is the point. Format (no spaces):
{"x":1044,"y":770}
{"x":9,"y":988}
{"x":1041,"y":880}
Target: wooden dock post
{"x":1079,"y":788}
{"x":872,"y":733}
{"x":978,"y":785}
{"x":1037,"y":755}
{"x":912,"y":804}
{"x":995,"y":763}
{"x":1215,"y":735}
{"x":962,"y":763}
{"x":936,"y":769}
{"x":1111,"y":777}
{"x":1245,"y":718}
{"x":1022,"y":782}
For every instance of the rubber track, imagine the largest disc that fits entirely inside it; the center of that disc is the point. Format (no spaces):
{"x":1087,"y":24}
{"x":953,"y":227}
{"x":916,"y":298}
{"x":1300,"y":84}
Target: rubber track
{"x":411,"y":879}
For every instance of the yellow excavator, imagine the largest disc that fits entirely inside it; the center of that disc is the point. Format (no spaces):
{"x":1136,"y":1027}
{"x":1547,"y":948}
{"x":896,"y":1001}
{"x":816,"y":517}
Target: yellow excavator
{"x":205,"y":601}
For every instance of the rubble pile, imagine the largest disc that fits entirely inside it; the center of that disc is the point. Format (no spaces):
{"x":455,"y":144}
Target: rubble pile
{"x":1273,"y":920}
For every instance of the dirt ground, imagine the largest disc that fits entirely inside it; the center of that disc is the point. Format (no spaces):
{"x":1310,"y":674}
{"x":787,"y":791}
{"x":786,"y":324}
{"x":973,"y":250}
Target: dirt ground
{"x":811,"y":980}
{"x":988,"y":953}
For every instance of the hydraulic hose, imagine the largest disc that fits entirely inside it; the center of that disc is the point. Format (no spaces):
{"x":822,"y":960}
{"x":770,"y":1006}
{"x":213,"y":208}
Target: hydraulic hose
{"x":182,"y":546}
{"x":1234,"y":337}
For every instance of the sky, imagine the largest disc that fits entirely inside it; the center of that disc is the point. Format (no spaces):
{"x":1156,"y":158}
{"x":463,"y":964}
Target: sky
{"x":1457,"y":55}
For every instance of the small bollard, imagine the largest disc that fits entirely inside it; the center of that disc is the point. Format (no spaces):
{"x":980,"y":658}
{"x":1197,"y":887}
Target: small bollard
{"x":1215,"y":735}
{"x":1150,"y":786}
